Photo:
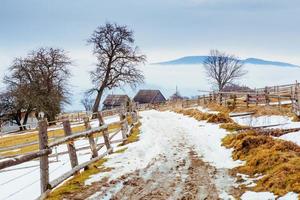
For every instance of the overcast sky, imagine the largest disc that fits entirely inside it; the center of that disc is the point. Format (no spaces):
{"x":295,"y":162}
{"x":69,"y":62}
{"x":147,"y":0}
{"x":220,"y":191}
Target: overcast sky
{"x":164,"y":29}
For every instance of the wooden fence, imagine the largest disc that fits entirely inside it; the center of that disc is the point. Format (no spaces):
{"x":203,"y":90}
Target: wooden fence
{"x":79,"y":116}
{"x":46,"y":148}
{"x":275,"y":95}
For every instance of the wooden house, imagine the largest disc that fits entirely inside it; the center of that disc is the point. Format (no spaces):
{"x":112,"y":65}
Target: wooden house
{"x":115,"y":101}
{"x":149,"y":97}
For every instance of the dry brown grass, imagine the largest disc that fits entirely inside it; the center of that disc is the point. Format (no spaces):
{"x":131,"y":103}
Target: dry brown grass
{"x":258,"y":110}
{"x":217,"y":107}
{"x":194,"y":113}
{"x":220,"y":118}
{"x":277,"y":160}
{"x":211,"y":118}
{"x":232,"y":126}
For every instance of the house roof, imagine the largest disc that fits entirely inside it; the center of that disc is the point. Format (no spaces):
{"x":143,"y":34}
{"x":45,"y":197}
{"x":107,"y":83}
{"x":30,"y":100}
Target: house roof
{"x":115,"y":100}
{"x":146,"y":96}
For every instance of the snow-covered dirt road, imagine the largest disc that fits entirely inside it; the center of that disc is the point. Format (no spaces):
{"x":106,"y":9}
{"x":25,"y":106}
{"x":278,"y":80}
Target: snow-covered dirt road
{"x":176,"y":157}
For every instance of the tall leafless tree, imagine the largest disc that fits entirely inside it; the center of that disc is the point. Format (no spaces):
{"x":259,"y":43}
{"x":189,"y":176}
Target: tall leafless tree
{"x":40,"y":81}
{"x":117,"y":56}
{"x":223,"y":69}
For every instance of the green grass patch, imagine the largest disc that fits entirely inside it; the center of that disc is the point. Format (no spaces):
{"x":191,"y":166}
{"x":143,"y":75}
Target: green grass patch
{"x":121,"y":150}
{"x":76,"y":183}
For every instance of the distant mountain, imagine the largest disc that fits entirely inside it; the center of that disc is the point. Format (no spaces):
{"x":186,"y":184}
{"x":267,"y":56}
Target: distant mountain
{"x":188,"y":60}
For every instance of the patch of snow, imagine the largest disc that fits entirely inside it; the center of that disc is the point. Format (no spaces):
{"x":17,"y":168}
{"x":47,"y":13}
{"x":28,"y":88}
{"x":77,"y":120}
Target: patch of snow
{"x":225,"y":196}
{"x":289,"y":196}
{"x":282,"y":102}
{"x":262,"y":120}
{"x":248,"y":181}
{"x":292,"y":137}
{"x":107,"y":120}
{"x":249,"y":195}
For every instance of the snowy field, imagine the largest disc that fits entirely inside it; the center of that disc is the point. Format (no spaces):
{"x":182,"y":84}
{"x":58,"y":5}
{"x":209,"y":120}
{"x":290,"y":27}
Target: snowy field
{"x":23,"y":180}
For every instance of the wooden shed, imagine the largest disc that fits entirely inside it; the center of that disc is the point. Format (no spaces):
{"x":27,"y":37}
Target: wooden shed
{"x":115,"y":101}
{"x":149,"y":96}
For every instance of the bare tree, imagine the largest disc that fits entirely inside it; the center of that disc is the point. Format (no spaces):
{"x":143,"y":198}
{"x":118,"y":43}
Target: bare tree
{"x":40,"y":81}
{"x":223,"y":69}
{"x":87,"y":102}
{"x":11,"y":110}
{"x":117,"y":56}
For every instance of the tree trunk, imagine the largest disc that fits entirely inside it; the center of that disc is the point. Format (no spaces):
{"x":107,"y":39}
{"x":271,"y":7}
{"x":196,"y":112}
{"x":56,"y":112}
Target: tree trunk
{"x":18,"y":121}
{"x":97,"y":103}
{"x":51,"y":118}
{"x":25,"y":119}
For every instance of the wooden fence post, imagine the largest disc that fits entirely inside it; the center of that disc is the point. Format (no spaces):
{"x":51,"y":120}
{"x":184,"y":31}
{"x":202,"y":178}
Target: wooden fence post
{"x":256,"y":98}
{"x":279,"y":102}
{"x":70,"y":145}
{"x":124,"y":126}
{"x":134,"y":116}
{"x":267,"y":96}
{"x":220,"y":99}
{"x":44,"y":162}
{"x":234,"y":101}
{"x":106,"y":139}
{"x":247,"y":101}
{"x":91,"y":138}
{"x":204,"y":100}
{"x":214,"y":97}
{"x":100,"y":119}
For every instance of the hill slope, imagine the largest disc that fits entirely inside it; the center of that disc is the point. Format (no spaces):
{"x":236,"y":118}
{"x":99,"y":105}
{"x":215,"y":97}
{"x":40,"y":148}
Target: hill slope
{"x":187,"y":60}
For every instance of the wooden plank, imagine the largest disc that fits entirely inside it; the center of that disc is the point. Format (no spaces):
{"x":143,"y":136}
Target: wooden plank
{"x":77,"y":135}
{"x":9,"y":162}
